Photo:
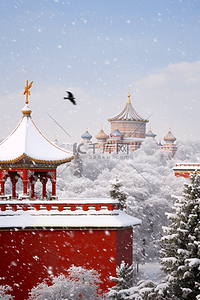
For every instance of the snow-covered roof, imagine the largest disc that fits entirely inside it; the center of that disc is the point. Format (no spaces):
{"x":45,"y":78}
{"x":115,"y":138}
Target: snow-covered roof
{"x":187,"y":166}
{"x":128,"y":114}
{"x":150,"y":133}
{"x":27,"y":141}
{"x":130,"y":139}
{"x":92,"y":218}
{"x":116,"y":132}
{"x":86,"y":135}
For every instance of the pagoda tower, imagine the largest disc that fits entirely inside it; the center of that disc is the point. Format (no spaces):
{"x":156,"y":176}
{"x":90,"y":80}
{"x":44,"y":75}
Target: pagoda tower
{"x":131,"y":126}
{"x":101,"y":137}
{"x":150,"y":133}
{"x":44,"y":237}
{"x":169,"y":144}
{"x":86,"y":137}
{"x":28,"y":155}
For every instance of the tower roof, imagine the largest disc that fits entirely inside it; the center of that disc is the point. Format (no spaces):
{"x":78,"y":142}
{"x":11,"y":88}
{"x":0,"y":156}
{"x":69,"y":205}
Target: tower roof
{"x":86,"y":135}
{"x":128,"y":114}
{"x":116,"y":133}
{"x":169,"y":137}
{"x":27,"y":142}
{"x":150,"y":133}
{"x":101,"y":135}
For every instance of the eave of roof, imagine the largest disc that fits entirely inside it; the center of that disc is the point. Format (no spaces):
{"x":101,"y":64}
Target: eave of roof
{"x":27,"y":141}
{"x":86,"y":135}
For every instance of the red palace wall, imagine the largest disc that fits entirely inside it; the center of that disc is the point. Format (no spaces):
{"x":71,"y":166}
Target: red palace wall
{"x":29,"y":256}
{"x":184,"y":174}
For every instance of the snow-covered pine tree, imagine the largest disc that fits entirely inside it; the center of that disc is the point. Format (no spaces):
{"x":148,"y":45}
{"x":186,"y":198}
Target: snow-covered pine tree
{"x":117,"y":193}
{"x":124,"y":280}
{"x":180,"y":253}
{"x":79,"y":284}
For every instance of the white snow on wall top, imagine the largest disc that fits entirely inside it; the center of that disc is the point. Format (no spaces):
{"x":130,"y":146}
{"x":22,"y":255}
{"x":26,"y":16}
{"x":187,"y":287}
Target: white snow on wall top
{"x":54,"y":218}
{"x":101,"y":218}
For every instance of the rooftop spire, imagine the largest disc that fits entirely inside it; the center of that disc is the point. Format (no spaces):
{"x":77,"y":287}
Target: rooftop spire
{"x":26,"y":90}
{"x":128,"y":101}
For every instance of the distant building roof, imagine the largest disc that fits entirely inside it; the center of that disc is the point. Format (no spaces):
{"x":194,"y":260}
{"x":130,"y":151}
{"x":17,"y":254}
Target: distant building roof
{"x":169,"y":137}
{"x":160,"y":144}
{"x":101,"y":135}
{"x":128,"y":114}
{"x":116,"y":133}
{"x":86,"y":135}
{"x":150,"y":133}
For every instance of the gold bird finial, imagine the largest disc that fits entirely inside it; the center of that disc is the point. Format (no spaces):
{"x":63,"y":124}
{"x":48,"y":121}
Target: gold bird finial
{"x":26,"y":90}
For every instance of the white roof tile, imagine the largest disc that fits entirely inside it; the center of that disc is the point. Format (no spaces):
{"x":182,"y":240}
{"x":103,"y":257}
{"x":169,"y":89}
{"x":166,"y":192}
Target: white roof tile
{"x":27,"y":140}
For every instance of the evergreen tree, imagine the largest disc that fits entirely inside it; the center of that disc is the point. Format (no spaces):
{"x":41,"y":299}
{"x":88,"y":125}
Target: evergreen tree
{"x":117,"y":193}
{"x":124,"y":280}
{"x":79,"y":284}
{"x":180,"y":253}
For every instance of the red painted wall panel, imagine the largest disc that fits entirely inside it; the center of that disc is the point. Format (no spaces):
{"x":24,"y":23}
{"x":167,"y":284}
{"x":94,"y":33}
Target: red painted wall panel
{"x":124,"y":246}
{"x":182,"y":174}
{"x":27,"y":256}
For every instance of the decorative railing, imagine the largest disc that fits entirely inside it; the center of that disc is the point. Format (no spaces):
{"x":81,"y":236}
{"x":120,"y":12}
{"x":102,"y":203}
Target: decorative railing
{"x":16,"y":205}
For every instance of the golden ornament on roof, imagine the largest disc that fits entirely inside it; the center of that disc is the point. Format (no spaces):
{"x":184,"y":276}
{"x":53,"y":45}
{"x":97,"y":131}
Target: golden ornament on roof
{"x":26,"y":90}
{"x":128,"y":98}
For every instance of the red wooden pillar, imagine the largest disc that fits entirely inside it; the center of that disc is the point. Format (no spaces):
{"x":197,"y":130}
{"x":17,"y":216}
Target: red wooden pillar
{"x":32,"y":180}
{"x":44,"y":186}
{"x":2,"y":187}
{"x":53,"y":187}
{"x":2,"y":184}
{"x":25,"y":182}
{"x":14,"y":181}
{"x":44,"y":189}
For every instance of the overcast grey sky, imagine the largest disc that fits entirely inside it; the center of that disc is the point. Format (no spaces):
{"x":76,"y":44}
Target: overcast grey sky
{"x":97,"y":49}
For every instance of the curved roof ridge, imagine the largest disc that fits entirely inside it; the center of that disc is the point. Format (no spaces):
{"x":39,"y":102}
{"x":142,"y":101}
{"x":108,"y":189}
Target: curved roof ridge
{"x":128,"y":114}
{"x":116,"y":132}
{"x":27,"y":140}
{"x":150,"y":133}
{"x":86,"y":135}
{"x":101,"y":135}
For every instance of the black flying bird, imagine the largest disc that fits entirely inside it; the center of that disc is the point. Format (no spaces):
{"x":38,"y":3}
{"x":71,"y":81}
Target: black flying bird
{"x":70,"y":97}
